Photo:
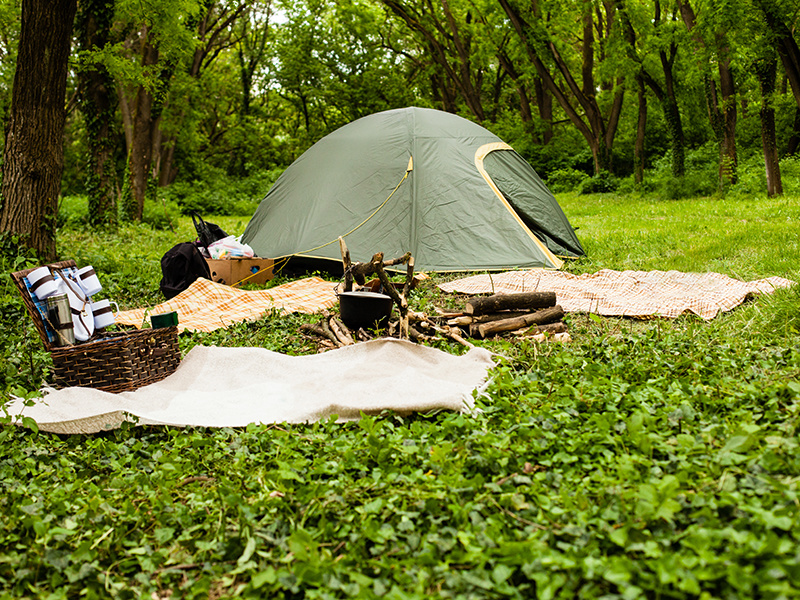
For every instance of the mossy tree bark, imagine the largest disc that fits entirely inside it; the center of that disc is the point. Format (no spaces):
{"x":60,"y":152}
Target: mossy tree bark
{"x":98,"y":104}
{"x":34,"y":153}
{"x":766,"y":70}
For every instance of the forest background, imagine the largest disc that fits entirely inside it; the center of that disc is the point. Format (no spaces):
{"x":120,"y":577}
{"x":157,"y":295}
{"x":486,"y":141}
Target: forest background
{"x":199,"y":105}
{"x":646,"y":459}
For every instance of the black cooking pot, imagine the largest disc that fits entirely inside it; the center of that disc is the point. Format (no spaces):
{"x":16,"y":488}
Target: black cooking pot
{"x":366,"y":310}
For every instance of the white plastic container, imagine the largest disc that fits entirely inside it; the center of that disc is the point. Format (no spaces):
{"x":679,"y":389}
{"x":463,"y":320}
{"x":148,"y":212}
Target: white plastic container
{"x":104,"y":315}
{"x":42,"y":282}
{"x":89,"y":281}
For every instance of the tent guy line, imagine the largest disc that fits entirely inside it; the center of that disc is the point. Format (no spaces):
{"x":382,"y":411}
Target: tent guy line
{"x":282,"y":261}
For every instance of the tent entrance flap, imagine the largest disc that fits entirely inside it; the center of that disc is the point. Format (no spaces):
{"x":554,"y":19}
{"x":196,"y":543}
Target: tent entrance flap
{"x":524,"y":192}
{"x":480,"y":155}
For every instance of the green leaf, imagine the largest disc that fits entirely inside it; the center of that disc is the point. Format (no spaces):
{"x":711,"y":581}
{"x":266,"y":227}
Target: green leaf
{"x":164,"y":534}
{"x":30,"y":424}
{"x":267,"y":576}
{"x":249,"y":549}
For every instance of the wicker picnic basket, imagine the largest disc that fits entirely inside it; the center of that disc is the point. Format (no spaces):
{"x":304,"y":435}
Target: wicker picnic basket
{"x":111,"y":361}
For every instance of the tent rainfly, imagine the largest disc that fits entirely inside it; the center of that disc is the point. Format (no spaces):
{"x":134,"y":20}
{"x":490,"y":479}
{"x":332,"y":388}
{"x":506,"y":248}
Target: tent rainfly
{"x":414,"y":179}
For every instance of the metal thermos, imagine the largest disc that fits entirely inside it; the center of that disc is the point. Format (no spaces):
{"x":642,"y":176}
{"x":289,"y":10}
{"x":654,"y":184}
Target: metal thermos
{"x":60,"y":316}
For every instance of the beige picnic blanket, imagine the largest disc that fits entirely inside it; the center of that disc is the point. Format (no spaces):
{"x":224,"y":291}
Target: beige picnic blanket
{"x":639,"y":294}
{"x":232,"y":387}
{"x":206,"y":305}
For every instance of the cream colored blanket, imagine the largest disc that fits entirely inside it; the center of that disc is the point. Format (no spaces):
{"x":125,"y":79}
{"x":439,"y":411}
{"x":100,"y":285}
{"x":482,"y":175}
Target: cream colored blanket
{"x":232,"y":387}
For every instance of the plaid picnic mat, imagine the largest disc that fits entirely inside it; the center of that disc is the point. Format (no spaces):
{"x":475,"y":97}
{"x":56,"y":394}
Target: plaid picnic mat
{"x":206,"y":305}
{"x":639,"y":294}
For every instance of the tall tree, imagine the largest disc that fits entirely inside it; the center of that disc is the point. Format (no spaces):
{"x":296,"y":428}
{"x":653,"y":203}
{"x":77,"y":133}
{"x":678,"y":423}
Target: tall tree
{"x":578,"y":97}
{"x":219,"y":28}
{"x":449,"y":40}
{"x":777,"y":15}
{"x":337,"y":61}
{"x":665,"y":46}
{"x":781,"y":20}
{"x":9,"y":37}
{"x":766,"y":71}
{"x":720,"y":97}
{"x":641,"y":121}
{"x":33,"y":159}
{"x":162,"y":34}
{"x":98,"y":103}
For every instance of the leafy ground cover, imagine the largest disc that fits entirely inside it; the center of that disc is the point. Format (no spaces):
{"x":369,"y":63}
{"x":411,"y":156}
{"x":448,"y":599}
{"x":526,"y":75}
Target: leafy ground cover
{"x":644,"y":459}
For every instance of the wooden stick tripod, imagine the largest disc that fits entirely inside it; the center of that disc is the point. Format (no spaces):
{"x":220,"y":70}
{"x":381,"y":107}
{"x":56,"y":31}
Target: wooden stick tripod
{"x":358,"y":271}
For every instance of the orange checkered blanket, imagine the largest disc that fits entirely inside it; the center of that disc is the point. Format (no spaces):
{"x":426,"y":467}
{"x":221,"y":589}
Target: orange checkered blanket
{"x":206,"y":305}
{"x":639,"y":294}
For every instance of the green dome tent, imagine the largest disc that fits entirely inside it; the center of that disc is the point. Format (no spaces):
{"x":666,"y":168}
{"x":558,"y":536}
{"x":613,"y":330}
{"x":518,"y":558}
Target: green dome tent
{"x":413,"y":179}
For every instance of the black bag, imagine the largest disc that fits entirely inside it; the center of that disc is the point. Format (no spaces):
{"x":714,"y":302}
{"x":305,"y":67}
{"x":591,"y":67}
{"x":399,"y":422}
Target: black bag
{"x":207,"y":233}
{"x":180,"y":267}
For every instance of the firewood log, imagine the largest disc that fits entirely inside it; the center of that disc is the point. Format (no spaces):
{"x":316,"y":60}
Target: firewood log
{"x":546,"y":315}
{"x":338,"y":330}
{"x":320,"y":331}
{"x":557,"y":327}
{"x":527,"y":300}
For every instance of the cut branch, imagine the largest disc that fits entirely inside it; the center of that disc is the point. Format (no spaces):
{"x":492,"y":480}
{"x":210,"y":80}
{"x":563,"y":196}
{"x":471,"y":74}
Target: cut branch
{"x":322,"y":332}
{"x":540,"y":317}
{"x":559,"y":327}
{"x":337,"y":328}
{"x":347,"y":264}
{"x":498,"y":302}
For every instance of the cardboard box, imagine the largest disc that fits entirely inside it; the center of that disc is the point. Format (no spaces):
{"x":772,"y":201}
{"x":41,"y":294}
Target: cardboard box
{"x":245,"y":270}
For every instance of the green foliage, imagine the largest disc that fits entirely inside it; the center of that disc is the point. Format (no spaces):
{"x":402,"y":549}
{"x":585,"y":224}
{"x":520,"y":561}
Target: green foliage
{"x":566,"y":180}
{"x":22,"y":356}
{"x":221,"y":194}
{"x":622,"y":465}
{"x":790,"y":174}
{"x":700,"y":179}
{"x":601,"y":183}
{"x":159,"y":213}
{"x":643,"y":459}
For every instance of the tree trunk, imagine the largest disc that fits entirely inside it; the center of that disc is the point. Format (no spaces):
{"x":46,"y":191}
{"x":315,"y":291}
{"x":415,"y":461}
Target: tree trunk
{"x":544,"y":101}
{"x":641,"y":128}
{"x":525,"y":111}
{"x":721,"y":113}
{"x":729,"y":161}
{"x":793,"y":144}
{"x":145,"y":137}
{"x":785,"y":44}
{"x":672,"y":115}
{"x":141,"y":152}
{"x":98,"y":105}
{"x":766,"y":72}
{"x":33,"y":159}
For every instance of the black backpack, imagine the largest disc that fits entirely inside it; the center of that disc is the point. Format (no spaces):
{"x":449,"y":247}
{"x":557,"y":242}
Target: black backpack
{"x":180,"y":266}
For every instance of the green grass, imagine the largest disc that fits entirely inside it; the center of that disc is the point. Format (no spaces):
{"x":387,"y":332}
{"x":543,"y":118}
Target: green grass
{"x":652,"y":459}
{"x":747,"y":239}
